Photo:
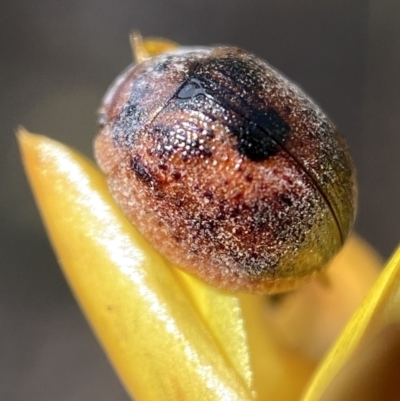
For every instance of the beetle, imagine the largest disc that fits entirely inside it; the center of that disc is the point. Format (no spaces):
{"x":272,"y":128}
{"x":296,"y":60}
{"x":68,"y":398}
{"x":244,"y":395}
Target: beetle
{"x":228,"y":169}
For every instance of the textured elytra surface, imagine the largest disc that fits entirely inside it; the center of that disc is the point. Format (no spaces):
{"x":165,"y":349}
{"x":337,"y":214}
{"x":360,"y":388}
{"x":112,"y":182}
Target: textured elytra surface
{"x":226,"y":167}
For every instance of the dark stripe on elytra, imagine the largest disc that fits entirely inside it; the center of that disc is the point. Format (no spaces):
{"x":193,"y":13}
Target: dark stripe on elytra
{"x":252,"y":141}
{"x":256,"y":136}
{"x":267,"y":119}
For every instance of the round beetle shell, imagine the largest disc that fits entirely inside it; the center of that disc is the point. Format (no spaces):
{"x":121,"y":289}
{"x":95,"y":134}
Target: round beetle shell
{"x":227,"y":168}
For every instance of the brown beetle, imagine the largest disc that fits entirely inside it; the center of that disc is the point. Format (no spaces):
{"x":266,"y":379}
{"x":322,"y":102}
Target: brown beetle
{"x":227,"y":168}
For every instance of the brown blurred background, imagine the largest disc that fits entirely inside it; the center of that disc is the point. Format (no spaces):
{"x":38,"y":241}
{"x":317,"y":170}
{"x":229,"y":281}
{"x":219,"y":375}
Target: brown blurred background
{"x":57,"y":59}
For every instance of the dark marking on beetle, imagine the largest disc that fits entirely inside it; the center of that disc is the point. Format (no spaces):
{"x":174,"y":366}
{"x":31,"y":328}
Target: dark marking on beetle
{"x":130,"y":110}
{"x":208,"y":194}
{"x":253,"y":142}
{"x":163,"y":66}
{"x":141,"y":171}
{"x":260,"y":130}
{"x":128,"y":123}
{"x":176,"y":175}
{"x":286,"y":200}
{"x":248,"y":177}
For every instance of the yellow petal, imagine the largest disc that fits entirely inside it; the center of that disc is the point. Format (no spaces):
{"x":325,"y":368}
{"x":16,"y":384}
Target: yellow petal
{"x":372,"y":373}
{"x":222,"y":314}
{"x":149,"y":47}
{"x":296,"y":328}
{"x":168,"y":335}
{"x":311,"y":318}
{"x":159,"y":344}
{"x":380,"y":309}
{"x":279,"y":374}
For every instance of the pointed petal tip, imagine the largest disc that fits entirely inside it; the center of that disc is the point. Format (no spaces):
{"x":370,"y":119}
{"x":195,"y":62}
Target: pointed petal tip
{"x":28,"y":140}
{"x":22,"y":135}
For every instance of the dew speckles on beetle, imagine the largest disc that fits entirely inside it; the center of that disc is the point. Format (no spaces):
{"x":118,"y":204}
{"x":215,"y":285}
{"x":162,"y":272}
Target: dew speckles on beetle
{"x":227,"y":168}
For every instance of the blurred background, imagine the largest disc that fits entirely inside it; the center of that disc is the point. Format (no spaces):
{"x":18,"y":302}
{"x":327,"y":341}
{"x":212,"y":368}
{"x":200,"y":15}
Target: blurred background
{"x":57,"y":58}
